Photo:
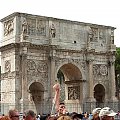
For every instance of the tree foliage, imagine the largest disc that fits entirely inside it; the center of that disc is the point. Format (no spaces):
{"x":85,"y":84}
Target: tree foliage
{"x":60,"y":76}
{"x":117,"y":61}
{"x":117,"y":70}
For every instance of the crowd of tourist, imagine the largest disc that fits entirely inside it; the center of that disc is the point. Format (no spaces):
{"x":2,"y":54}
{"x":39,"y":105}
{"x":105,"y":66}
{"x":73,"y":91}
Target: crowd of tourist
{"x":62,"y":114}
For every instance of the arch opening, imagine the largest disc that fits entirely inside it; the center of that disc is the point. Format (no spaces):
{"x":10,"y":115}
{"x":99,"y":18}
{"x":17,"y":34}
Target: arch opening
{"x":99,"y":94}
{"x":69,"y":77}
{"x":36,"y":91}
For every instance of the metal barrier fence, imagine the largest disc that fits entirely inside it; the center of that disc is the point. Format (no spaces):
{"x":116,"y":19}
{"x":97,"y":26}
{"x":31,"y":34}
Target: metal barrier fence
{"x":89,"y":106}
{"x":46,"y":108}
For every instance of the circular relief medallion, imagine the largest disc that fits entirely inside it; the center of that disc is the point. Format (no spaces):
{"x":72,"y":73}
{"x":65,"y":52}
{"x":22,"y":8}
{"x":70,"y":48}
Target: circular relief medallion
{"x":95,"y":69}
{"x":7,"y":66}
{"x":42,"y":67}
{"x":31,"y":65}
{"x":103,"y":70}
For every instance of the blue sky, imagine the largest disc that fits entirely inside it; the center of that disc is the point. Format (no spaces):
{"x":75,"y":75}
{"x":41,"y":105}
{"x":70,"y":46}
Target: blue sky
{"x":103,"y":12}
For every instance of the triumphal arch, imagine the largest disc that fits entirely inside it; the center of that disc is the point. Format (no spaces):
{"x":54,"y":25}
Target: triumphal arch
{"x":37,"y":50}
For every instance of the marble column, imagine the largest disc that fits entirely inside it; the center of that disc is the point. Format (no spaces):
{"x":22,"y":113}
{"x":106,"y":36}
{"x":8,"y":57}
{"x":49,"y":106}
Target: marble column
{"x":91,"y":89}
{"x":52,"y":81}
{"x":23,"y":75}
{"x":112,"y":81}
{"x":23,"y":81}
{"x":52,"y":71}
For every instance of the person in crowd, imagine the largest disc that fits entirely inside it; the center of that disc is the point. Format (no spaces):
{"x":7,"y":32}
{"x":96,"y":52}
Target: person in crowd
{"x":30,"y":115}
{"x":5,"y":117}
{"x":118,"y":115}
{"x":13,"y":114}
{"x":62,"y":109}
{"x":64,"y":118}
{"x":75,"y":116}
{"x":107,"y":114}
{"x":90,"y":117}
{"x":51,"y":118}
{"x":95,"y":114}
{"x":38,"y":116}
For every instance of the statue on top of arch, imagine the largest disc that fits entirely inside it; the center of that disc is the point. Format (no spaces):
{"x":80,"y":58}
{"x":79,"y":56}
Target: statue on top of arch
{"x":24,"y":26}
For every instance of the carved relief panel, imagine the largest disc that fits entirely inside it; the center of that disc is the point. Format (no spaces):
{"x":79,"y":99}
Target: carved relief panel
{"x":38,"y":70}
{"x":92,"y":34}
{"x":33,"y":26}
{"x":31,"y":65}
{"x":74,"y":93}
{"x":100,"y":71}
{"x":7,"y":66}
{"x":95,"y":33}
{"x":41,"y":28}
{"x":102,"y":38}
{"x":103,"y":70}
{"x":102,"y":35}
{"x":7,"y":97}
{"x":42,"y":67}
{"x":8,"y":27}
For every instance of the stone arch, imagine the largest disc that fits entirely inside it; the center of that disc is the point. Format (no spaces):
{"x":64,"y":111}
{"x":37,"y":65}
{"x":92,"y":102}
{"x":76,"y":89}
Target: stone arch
{"x":99,"y":94}
{"x":79,"y":66}
{"x":72,"y":80}
{"x":38,"y":81}
{"x":71,"y":72}
{"x":72,"y":87}
{"x":36,"y":95}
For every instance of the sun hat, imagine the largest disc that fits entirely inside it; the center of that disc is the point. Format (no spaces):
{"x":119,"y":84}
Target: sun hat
{"x":96,"y":110}
{"x":107,"y":111}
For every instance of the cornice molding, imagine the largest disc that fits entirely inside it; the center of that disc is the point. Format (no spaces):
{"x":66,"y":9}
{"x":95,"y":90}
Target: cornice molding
{"x":54,"y":19}
{"x":9,"y":46}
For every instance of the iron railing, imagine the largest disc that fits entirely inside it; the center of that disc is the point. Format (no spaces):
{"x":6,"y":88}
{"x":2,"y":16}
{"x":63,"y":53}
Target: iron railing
{"x":71,"y":107}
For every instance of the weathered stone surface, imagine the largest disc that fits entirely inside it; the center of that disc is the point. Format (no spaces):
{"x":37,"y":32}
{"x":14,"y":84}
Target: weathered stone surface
{"x":34,"y":48}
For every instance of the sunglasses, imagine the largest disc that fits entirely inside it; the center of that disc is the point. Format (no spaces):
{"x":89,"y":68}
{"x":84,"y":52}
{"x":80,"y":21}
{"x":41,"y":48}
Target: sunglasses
{"x":62,"y":107}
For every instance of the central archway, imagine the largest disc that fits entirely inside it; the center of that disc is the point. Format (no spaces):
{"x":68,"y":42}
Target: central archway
{"x":71,"y":72}
{"x":70,"y":78}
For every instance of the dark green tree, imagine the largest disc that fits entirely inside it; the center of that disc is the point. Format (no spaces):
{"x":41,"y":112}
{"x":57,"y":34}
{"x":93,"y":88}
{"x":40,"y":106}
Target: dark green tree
{"x":60,"y":76}
{"x":117,"y":70}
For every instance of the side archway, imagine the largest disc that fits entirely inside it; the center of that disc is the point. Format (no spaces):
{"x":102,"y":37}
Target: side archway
{"x":36,"y":91}
{"x":99,"y":94}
